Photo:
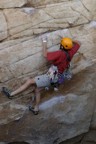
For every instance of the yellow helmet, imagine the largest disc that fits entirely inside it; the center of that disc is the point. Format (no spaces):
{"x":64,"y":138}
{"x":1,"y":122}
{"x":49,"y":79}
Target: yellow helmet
{"x":67,"y":43}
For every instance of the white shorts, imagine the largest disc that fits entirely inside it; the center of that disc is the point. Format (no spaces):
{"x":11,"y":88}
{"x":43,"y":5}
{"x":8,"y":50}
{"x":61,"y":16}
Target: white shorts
{"x":42,"y":81}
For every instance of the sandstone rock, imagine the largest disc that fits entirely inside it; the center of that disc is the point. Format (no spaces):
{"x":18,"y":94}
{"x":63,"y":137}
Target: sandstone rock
{"x":87,"y":138}
{"x":90,"y":137}
{"x":75,"y":140}
{"x":39,"y":3}
{"x":11,"y":3}
{"x":12,"y":111}
{"x":62,"y":115}
{"x":36,"y":21}
{"x":90,"y":7}
{"x":26,"y":22}
{"x":5,"y":74}
{"x":93,"y":123}
{"x":19,"y":55}
{"x":21,"y":29}
{"x":3,"y":26}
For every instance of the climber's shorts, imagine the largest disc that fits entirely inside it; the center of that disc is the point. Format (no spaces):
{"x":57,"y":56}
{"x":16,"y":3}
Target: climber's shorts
{"x":42,"y":81}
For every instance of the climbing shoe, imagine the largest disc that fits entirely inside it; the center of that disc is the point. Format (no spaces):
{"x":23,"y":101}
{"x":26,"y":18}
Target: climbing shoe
{"x":32,"y":110}
{"x":7,"y":92}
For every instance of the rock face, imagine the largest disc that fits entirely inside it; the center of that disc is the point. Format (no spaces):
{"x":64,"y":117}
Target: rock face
{"x":22,"y":24}
{"x":21,"y":42}
{"x":11,"y":3}
{"x":88,"y":138}
{"x":63,"y":115}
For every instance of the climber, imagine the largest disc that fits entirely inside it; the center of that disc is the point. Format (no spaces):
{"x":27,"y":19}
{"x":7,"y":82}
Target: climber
{"x":56,"y":74}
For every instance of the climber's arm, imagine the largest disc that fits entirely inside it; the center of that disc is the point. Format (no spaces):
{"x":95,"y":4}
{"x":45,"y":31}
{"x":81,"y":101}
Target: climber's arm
{"x":76,"y":46}
{"x":50,"y":56}
{"x":44,"y":44}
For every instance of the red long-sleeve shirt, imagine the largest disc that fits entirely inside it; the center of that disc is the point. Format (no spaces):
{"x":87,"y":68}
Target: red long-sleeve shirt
{"x":58,"y":58}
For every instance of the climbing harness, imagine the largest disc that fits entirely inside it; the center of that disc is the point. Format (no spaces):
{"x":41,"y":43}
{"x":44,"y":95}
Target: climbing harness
{"x":53,"y":74}
{"x":58,"y":78}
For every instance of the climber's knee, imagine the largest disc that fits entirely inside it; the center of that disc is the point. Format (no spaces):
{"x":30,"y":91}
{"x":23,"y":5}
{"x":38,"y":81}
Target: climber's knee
{"x":30,"y":81}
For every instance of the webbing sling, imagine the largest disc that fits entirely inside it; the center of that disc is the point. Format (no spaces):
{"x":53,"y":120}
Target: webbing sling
{"x":67,"y":55}
{"x":66,"y":52}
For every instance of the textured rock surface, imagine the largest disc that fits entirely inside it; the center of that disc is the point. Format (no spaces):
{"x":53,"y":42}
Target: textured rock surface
{"x":22,"y":24}
{"x":88,"y":138}
{"x":22,"y":43}
{"x":17,"y":58}
{"x":63,"y":115}
{"x":11,"y":3}
{"x":90,"y":7}
{"x":3,"y":26}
